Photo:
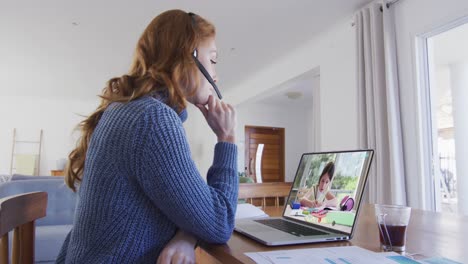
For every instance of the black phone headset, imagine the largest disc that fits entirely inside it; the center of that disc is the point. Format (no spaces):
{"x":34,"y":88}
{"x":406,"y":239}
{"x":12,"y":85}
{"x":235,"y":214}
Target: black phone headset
{"x":200,"y":66}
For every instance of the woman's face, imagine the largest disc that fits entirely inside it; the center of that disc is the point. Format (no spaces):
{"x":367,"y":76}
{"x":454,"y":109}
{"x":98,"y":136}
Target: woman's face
{"x":324,"y":181}
{"x":207,"y":55}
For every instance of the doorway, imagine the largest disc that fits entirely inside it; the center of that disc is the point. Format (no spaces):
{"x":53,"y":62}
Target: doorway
{"x":446,"y":81}
{"x":264,"y":153}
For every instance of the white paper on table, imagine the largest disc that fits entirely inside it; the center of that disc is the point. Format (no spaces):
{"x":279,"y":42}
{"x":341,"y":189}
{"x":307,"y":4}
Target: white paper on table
{"x":248,"y":211}
{"x":328,"y":255}
{"x":258,"y":258}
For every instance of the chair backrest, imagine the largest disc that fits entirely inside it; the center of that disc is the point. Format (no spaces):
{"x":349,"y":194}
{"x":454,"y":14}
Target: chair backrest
{"x":19,"y":212}
{"x":264,"y":190}
{"x":61,"y":200}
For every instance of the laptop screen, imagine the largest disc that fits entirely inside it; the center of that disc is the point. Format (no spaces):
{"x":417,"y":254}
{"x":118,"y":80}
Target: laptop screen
{"x":328,"y":188}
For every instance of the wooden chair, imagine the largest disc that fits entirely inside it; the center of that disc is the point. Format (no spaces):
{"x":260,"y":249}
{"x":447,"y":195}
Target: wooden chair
{"x":19,"y":212}
{"x":264,"y":190}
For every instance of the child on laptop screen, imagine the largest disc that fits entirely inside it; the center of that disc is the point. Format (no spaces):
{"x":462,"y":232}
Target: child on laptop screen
{"x":319,"y":195}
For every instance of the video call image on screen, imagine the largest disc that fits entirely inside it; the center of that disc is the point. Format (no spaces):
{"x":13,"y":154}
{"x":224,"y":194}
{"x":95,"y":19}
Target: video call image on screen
{"x":325,"y":188}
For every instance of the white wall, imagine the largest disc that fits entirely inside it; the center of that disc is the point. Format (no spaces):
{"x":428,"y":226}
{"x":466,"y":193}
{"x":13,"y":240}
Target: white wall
{"x":201,"y":139}
{"x":293,"y":120}
{"x":314,"y":137}
{"x":56,"y":116}
{"x":414,"y":18}
{"x":334,"y":52}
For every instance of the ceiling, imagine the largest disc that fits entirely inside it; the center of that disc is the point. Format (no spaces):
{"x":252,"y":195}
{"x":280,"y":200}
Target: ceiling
{"x":71,"y":48}
{"x":294,"y":93}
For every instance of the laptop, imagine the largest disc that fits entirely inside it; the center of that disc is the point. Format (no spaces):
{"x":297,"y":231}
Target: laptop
{"x":323,"y":203}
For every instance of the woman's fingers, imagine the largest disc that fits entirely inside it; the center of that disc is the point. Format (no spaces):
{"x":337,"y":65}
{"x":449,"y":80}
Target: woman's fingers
{"x":165,"y":257}
{"x":220,"y":117}
{"x":212,"y":102}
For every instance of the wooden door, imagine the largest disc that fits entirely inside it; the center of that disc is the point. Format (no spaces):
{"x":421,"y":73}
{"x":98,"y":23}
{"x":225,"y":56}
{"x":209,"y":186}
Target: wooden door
{"x":272,"y":163}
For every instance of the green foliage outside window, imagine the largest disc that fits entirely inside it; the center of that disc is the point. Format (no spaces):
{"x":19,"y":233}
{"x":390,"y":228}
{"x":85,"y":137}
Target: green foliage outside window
{"x":344,"y":182}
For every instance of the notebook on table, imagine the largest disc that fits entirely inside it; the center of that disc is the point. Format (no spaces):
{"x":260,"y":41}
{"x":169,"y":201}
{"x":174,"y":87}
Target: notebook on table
{"x":317,"y":212}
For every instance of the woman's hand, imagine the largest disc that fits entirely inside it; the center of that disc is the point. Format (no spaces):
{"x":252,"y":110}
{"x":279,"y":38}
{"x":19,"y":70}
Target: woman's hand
{"x":221,"y":117}
{"x":180,"y":250}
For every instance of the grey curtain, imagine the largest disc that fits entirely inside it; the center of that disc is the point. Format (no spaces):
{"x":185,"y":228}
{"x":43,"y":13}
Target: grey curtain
{"x":379,"y":113}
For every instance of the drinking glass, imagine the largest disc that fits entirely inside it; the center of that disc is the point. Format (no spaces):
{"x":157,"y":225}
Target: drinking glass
{"x":392,"y":222}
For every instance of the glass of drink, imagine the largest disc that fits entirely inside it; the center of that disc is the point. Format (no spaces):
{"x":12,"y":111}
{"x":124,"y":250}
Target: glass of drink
{"x":392,"y":221}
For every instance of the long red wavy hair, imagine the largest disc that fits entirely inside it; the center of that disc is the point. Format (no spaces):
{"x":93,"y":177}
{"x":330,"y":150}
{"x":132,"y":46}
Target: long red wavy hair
{"x":162,"y":63}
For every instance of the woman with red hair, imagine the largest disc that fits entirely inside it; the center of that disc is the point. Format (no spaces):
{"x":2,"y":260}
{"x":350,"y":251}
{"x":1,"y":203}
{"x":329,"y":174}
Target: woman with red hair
{"x":141,"y":197}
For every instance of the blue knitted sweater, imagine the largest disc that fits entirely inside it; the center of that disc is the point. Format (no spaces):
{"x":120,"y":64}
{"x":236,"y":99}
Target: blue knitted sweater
{"x":140,"y":186}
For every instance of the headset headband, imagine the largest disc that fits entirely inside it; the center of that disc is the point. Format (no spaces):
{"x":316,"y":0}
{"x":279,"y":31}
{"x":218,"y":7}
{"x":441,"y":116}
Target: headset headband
{"x":200,"y":66}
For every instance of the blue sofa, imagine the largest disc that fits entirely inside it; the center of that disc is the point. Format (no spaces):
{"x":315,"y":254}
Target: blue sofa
{"x":52,"y":229}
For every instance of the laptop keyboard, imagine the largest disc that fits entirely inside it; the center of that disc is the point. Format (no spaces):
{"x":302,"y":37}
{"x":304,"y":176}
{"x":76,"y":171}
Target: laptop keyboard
{"x":289,"y":227}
